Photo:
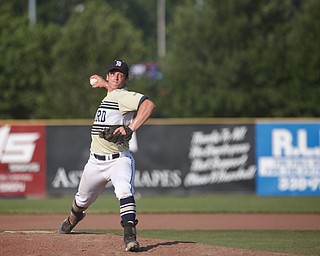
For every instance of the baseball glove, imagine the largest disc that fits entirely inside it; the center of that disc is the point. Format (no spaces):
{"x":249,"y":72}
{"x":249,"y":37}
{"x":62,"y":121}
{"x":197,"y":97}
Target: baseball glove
{"x":117,"y":138}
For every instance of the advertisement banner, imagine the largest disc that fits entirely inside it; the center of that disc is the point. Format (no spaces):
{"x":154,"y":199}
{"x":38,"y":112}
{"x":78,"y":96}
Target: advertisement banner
{"x":68,"y":149}
{"x":22,"y":160}
{"x":288,"y":158}
{"x":190,"y":158}
{"x":169,"y":158}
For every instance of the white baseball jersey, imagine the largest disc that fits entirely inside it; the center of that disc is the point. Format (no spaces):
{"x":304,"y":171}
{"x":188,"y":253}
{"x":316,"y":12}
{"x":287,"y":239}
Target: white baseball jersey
{"x":117,"y":108}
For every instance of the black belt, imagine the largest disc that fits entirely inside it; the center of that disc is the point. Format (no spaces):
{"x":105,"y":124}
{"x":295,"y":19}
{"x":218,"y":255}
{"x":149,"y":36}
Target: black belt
{"x":107,"y":157}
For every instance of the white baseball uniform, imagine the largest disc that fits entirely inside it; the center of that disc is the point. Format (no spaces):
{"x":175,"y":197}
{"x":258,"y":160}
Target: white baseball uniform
{"x":109,"y":161}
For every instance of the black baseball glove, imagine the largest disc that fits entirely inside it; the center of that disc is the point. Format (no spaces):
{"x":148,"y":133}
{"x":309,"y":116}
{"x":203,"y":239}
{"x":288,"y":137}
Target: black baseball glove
{"x":118,"y":138}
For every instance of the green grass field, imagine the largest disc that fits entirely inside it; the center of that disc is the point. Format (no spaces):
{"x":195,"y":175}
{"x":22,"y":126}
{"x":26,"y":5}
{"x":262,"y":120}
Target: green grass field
{"x":211,"y":203}
{"x":298,"y":242}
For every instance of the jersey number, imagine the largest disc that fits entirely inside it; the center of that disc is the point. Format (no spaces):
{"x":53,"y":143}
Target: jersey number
{"x":100,"y":116}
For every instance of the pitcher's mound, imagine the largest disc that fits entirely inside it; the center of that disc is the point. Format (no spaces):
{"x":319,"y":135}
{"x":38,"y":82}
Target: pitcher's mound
{"x":50,"y":243}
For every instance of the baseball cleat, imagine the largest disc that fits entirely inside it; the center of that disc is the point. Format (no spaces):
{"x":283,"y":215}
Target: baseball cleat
{"x":66,"y":225}
{"x":130,"y":236}
{"x":132,"y":246}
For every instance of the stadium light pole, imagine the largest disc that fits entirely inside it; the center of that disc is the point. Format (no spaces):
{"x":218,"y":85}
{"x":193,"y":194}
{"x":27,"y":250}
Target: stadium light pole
{"x":32,"y":6}
{"x":161,"y":27}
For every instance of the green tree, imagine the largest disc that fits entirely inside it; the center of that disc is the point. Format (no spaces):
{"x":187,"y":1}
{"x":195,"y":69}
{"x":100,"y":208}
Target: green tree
{"x":143,"y":15}
{"x":230,"y":59}
{"x":89,"y":41}
{"x":303,"y":65}
{"x":25,"y":61}
{"x":224,"y":58}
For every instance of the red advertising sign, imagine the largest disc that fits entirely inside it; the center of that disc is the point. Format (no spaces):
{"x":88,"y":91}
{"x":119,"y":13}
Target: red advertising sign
{"x":22,"y":160}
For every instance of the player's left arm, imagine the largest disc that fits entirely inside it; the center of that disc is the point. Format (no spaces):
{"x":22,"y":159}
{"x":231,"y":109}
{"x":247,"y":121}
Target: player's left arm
{"x":144,"y":112}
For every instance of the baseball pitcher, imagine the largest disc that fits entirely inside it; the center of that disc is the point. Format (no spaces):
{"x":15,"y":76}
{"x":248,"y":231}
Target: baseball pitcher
{"x":120,"y":114}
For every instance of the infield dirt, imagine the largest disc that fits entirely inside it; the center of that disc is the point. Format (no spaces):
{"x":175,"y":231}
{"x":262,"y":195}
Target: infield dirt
{"x":37,"y":235}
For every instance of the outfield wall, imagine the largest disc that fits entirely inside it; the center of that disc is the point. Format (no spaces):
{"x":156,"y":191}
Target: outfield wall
{"x":182,"y":156}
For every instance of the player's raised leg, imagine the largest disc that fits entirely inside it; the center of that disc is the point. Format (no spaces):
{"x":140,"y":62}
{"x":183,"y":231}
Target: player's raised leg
{"x":91,"y":184}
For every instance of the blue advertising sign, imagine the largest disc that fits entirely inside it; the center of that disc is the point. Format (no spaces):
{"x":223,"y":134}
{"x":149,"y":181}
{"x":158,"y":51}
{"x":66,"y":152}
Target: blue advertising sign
{"x":288,"y":158}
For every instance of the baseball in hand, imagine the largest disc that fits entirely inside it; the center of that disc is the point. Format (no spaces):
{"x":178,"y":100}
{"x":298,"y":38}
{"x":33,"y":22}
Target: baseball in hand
{"x":93,"y":81}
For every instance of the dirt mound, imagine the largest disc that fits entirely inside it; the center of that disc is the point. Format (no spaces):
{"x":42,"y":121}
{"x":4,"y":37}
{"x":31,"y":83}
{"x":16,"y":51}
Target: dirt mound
{"x":49,"y":243}
{"x":16,"y":242}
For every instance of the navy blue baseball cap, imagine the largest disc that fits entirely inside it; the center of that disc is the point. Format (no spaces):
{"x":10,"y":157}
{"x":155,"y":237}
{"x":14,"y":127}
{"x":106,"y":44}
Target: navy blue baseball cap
{"x":119,"y":65}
